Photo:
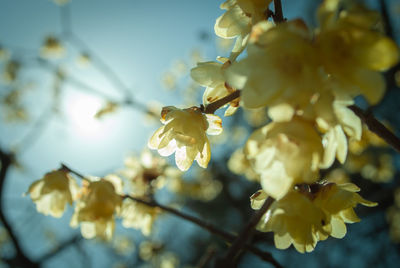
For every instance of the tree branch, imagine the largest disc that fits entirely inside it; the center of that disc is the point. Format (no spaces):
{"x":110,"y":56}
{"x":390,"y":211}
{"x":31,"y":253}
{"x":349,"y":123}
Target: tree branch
{"x":266,"y":256}
{"x":377,"y":127}
{"x":212,"y":107}
{"x":278,"y":15}
{"x":244,"y":235}
{"x":20,"y":259}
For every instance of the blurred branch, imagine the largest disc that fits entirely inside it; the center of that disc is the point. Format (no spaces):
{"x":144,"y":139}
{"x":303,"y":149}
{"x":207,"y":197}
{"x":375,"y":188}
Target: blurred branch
{"x":386,"y":19}
{"x":36,"y":130}
{"x":20,"y":259}
{"x":278,"y":15}
{"x":100,"y":64}
{"x":66,"y":25}
{"x":244,"y":235}
{"x":266,"y":256}
{"x":64,"y":245}
{"x":377,"y":127}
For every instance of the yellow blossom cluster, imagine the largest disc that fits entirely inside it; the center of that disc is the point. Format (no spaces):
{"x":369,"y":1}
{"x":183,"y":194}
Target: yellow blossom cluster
{"x":307,"y":80}
{"x":310,"y":213}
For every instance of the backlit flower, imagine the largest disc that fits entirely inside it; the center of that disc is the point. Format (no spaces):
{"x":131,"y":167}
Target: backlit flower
{"x":184,"y":134}
{"x":285,"y":154}
{"x":338,"y":201}
{"x":96,"y":208}
{"x":52,"y":193}
{"x":281,"y":66}
{"x":294,"y":219}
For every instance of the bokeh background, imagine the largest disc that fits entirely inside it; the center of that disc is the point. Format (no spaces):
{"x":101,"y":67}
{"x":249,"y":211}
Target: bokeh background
{"x":136,"y":56}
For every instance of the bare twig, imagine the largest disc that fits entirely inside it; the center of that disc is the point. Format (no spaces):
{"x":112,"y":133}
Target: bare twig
{"x":278,"y":15}
{"x":212,"y":107}
{"x":63,"y":245}
{"x":244,"y":235}
{"x":377,"y":127}
{"x":20,"y":259}
{"x":266,"y":256}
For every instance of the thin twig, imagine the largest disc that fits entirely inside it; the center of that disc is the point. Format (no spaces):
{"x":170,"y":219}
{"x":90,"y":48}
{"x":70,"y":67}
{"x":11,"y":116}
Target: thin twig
{"x":266,"y":256}
{"x":64,"y":245}
{"x":244,"y":235}
{"x":377,"y":127}
{"x":212,"y":107}
{"x":278,"y":15}
{"x":20,"y":259}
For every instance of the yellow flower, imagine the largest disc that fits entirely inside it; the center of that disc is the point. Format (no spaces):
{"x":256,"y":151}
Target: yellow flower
{"x":138,"y":216}
{"x":281,"y":67}
{"x":240,"y":165}
{"x":337,"y":202}
{"x":211,"y":75}
{"x":52,"y":48}
{"x":285,"y":154}
{"x":52,"y":193}
{"x":239,"y":16}
{"x":11,"y":71}
{"x":353,"y":56}
{"x":294,"y":219}
{"x":184,"y":134}
{"x":96,"y":208}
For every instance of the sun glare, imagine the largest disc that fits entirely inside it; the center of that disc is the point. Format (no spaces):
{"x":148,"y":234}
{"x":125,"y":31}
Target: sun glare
{"x":80,"y":111}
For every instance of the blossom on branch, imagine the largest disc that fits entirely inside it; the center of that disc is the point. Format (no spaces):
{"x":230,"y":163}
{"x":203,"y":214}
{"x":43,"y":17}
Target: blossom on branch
{"x":52,"y":193}
{"x":184,"y":134}
{"x":285,"y":154}
{"x":96,"y":208}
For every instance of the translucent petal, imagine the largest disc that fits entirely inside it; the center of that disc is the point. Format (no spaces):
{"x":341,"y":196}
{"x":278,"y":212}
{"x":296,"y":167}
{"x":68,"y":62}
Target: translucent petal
{"x":338,"y":228}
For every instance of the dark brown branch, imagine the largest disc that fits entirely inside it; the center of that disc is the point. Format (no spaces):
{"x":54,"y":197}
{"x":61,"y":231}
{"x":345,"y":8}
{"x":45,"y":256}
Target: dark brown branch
{"x":377,"y":127}
{"x":20,"y":259}
{"x":244,"y":235}
{"x":278,"y":15}
{"x":212,"y":107}
{"x":266,"y":256}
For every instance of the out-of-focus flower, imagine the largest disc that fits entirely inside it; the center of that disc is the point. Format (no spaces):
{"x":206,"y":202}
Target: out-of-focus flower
{"x":338,"y":176}
{"x":52,"y":193}
{"x":285,"y":154}
{"x":147,"y":173}
{"x":185,"y":134}
{"x":205,"y":188}
{"x":11,"y":71}
{"x":281,"y":67}
{"x":83,"y":60}
{"x":211,"y":75}
{"x":52,"y":48}
{"x":240,"y":15}
{"x":368,"y":138}
{"x":61,"y":2}
{"x":123,"y":245}
{"x":169,"y":81}
{"x":96,"y":209}
{"x":239,"y":165}
{"x":138,"y":216}
{"x":294,"y":219}
{"x":256,"y":117}
{"x":108,"y":108}
{"x":4,"y":53}
{"x":376,"y":167}
{"x":148,"y":249}
{"x":352,"y":52}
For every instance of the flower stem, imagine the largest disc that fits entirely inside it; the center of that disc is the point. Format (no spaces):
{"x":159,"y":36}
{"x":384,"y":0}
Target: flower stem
{"x":212,"y":107}
{"x":266,"y":256}
{"x":377,"y":127}
{"x":243,"y":236}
